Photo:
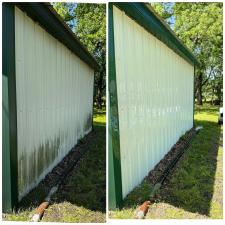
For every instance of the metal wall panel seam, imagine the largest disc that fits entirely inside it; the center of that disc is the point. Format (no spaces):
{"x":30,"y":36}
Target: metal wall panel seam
{"x":49,"y":82}
{"x":131,"y":74}
{"x":46,"y":16}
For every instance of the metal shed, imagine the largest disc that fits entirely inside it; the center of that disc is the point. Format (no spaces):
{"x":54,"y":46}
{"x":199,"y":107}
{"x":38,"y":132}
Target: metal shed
{"x":151,"y":86}
{"x":47,"y":80}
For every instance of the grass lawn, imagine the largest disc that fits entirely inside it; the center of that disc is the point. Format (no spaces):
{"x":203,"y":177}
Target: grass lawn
{"x":82,"y":196}
{"x":195,"y":188}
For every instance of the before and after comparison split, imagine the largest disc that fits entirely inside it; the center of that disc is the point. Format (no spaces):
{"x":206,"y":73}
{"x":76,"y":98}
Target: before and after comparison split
{"x":112,"y":111}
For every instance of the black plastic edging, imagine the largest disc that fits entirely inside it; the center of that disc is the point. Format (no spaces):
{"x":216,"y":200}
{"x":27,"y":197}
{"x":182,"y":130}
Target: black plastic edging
{"x":9,"y":69}
{"x":68,"y":169}
{"x":173,"y":163}
{"x":159,"y":182}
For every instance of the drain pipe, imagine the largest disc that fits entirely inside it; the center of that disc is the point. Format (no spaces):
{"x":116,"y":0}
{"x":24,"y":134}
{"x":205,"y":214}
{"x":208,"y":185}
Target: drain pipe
{"x":44,"y":205}
{"x":143,"y":209}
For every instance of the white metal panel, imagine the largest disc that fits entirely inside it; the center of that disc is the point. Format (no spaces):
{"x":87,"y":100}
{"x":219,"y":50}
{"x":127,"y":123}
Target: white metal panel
{"x":54,"y":101}
{"x":155,"y":98}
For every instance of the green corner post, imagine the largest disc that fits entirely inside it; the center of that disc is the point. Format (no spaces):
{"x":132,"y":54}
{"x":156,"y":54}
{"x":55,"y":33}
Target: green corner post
{"x":115,"y":181}
{"x":9,"y":111}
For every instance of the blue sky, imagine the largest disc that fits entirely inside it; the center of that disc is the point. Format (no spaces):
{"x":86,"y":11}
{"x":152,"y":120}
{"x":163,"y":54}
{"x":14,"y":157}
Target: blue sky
{"x":171,"y":20}
{"x":72,"y":23}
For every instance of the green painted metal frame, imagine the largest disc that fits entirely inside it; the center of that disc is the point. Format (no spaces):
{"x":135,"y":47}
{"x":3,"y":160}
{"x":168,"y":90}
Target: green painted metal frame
{"x":9,"y":70}
{"x":150,"y":22}
{"x":46,"y":16}
{"x":114,"y":134}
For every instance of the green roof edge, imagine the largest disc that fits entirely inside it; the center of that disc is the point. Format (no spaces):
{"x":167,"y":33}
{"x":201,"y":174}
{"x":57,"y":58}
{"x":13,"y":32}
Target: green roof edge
{"x":48,"y":18}
{"x":145,"y":16}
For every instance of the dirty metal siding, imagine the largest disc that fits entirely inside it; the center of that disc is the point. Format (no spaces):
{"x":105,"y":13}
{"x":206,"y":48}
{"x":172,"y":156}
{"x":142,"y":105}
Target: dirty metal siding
{"x":155,"y":98}
{"x":54,"y":101}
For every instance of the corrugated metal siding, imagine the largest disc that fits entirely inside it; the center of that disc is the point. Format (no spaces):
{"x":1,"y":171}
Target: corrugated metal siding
{"x":54,"y":101}
{"x":155,"y":98}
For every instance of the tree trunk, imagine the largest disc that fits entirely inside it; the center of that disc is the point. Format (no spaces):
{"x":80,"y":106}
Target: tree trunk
{"x":100,"y":91}
{"x":212,"y":103}
{"x":99,"y":101}
{"x":219,"y":94}
{"x":199,"y":89}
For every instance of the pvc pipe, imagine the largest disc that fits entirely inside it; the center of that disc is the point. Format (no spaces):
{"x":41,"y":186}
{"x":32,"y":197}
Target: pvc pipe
{"x":44,"y":205}
{"x":169,"y":168}
{"x":40,"y":212}
{"x":143,"y":209}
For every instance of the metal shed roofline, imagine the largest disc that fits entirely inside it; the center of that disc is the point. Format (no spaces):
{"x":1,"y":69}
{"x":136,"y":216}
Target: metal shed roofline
{"x":145,"y":16}
{"x":48,"y":18}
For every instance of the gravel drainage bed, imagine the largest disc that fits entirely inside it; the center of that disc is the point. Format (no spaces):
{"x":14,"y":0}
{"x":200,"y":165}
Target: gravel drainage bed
{"x":158,"y":170}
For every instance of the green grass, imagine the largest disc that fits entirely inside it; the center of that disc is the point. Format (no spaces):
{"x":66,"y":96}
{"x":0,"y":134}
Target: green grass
{"x":82,"y":196}
{"x":195,"y":188}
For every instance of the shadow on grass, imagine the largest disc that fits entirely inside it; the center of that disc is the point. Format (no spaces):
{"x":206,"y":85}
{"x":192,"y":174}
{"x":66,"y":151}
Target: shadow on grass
{"x":191,"y":185}
{"x":86,"y":185}
{"x":99,"y":113}
{"x":207,"y":108}
{"x":98,"y":125}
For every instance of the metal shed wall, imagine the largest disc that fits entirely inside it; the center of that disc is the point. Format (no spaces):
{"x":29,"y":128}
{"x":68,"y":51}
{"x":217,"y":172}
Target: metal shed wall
{"x":155,"y":98}
{"x":54,"y":101}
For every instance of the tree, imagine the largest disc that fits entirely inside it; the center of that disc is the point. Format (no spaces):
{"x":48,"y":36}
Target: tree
{"x":89,"y":24}
{"x":165,"y":10}
{"x":66,"y":11}
{"x":91,"y":29}
{"x":199,"y":26}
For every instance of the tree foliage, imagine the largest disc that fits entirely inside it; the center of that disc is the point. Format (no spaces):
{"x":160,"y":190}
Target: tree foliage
{"x":199,"y":26}
{"x":90,"y":28}
{"x":165,"y":10}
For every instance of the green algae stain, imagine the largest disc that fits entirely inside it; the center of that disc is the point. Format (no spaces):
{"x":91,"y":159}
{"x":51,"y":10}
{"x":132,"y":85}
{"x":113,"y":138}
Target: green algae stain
{"x":33,"y":165}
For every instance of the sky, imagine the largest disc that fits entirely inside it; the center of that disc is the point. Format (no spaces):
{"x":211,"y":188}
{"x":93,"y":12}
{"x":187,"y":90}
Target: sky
{"x":72,"y":23}
{"x":171,"y":20}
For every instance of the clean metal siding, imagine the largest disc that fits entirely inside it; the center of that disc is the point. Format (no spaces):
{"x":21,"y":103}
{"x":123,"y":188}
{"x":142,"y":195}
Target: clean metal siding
{"x":155,"y":98}
{"x":54,"y":101}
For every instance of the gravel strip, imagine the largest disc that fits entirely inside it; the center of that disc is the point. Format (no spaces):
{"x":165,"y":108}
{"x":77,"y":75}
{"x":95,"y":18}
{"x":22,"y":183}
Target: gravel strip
{"x":169,"y":157}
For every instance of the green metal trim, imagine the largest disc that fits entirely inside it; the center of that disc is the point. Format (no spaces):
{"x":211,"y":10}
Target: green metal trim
{"x":114,"y":134}
{"x":150,"y":22}
{"x":46,"y":16}
{"x":9,"y":70}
